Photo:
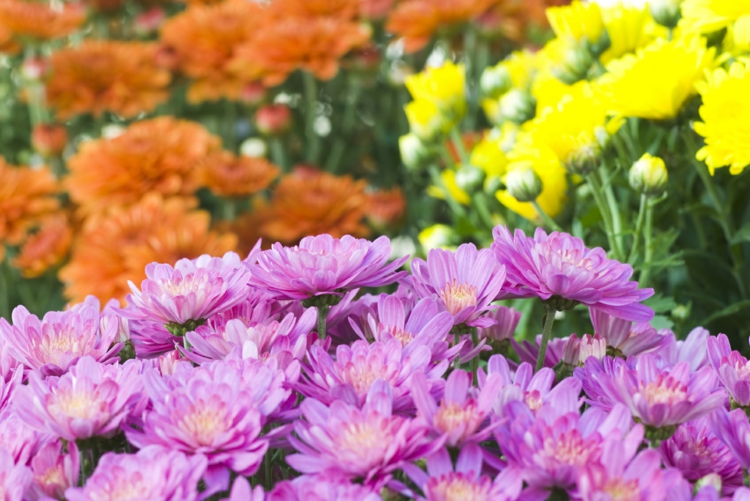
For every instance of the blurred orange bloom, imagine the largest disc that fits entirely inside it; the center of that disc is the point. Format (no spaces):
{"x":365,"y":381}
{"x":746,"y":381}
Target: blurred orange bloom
{"x":49,"y":139}
{"x":314,"y":44}
{"x":38,"y":20}
{"x":26,"y":195}
{"x":374,"y":9}
{"x":116,"y":246}
{"x":386,"y":207}
{"x":310,"y":203}
{"x":247,"y":228}
{"x":158,"y":155}
{"x":229,"y":175}
{"x":512,"y":18}
{"x":121,"y":77}
{"x":204,"y":38}
{"x":45,"y":248}
{"x":344,"y":9}
{"x":417,"y":20}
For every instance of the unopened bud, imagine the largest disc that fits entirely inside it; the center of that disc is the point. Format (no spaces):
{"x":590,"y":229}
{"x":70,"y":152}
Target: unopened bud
{"x":583,"y":160}
{"x":578,"y":350}
{"x":649,"y":175}
{"x":665,"y":12}
{"x":34,"y":68}
{"x":253,"y":147}
{"x":573,"y":63}
{"x":470,"y":178}
{"x":517,"y":106}
{"x":49,"y":139}
{"x":425,"y":119}
{"x":273,"y":119}
{"x":523,"y":184}
{"x":438,"y":236}
{"x":253,"y":93}
{"x":149,"y":22}
{"x":414,"y":153}
{"x":495,"y":81}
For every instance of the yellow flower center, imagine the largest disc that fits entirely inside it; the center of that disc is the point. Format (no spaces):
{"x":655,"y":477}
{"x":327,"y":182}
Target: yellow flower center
{"x":362,"y":375}
{"x":623,"y":490}
{"x":455,"y":487}
{"x":67,"y":340}
{"x":568,"y":448}
{"x":130,"y":488}
{"x":76,"y":404}
{"x":452,"y":415}
{"x":533,"y":400}
{"x":205,"y":421}
{"x":184,"y":286}
{"x":402,"y":335}
{"x":458,"y":296}
{"x":664,"y":390}
{"x":366,"y":441}
{"x":51,"y":476}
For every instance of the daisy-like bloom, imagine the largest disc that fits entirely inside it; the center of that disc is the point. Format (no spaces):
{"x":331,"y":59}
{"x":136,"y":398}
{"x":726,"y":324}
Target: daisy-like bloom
{"x":465,"y":282}
{"x":629,"y":28}
{"x":705,"y":16}
{"x":90,"y":400}
{"x":725,"y":111}
{"x":313,"y":44}
{"x":45,"y":248}
{"x":697,"y":452}
{"x":324,"y":265}
{"x":661,"y":397}
{"x":417,"y":20}
{"x":693,"y":349}
{"x":204,"y":39}
{"x":152,"y":473}
{"x":57,"y":341}
{"x":190,"y":292}
{"x":26,"y":195}
{"x":369,"y":443}
{"x":387,"y":207}
{"x":160,"y":155}
{"x":116,"y":246}
{"x":462,"y":413}
{"x":625,"y":338}
{"x":351,"y":374}
{"x":228,"y":175}
{"x":54,"y":471}
{"x":312,"y":203}
{"x":656,"y":81}
{"x":104,"y":75}
{"x":374,"y":9}
{"x":40,"y":21}
{"x":441,"y":482}
{"x":578,"y":21}
{"x":533,"y":389}
{"x":560,"y":267}
{"x":443,"y":87}
{"x":15,"y":479}
{"x":217,"y":410}
{"x":323,"y":487}
{"x":732,"y":368}
{"x":49,"y":139}
{"x":578,"y":350}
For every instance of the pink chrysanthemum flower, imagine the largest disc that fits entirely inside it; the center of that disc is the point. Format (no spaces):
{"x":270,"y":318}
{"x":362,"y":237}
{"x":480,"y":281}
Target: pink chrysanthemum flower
{"x":625,"y":338}
{"x":90,"y":400}
{"x":191,"y":291}
{"x":697,"y":452}
{"x":658,"y":395}
{"x":507,"y":320}
{"x":324,"y":265}
{"x":350,"y":375}
{"x":15,"y":478}
{"x":463,"y":414}
{"x":466,"y":482}
{"x":693,"y":349}
{"x":578,"y":350}
{"x":54,"y":471}
{"x":20,"y":440}
{"x":368,"y":443}
{"x":56,"y":342}
{"x":733,"y":369}
{"x":152,"y":473}
{"x":217,"y":409}
{"x":465,"y":283}
{"x":241,"y":491}
{"x":733,"y":428}
{"x":560,"y":266}
{"x":323,"y":487}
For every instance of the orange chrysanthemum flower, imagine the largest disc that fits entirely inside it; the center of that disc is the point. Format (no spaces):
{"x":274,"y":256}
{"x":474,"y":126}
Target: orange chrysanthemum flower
{"x":24,"y":19}
{"x":310,"y":203}
{"x":314,"y":44}
{"x":45,"y":248}
{"x":229,"y":175}
{"x":417,"y":20}
{"x":26,"y":195}
{"x":386,"y":207}
{"x":97,"y":76}
{"x":344,"y":9}
{"x":204,"y":38}
{"x":116,"y":246}
{"x":247,"y":228}
{"x":512,"y":18}
{"x":158,"y":155}
{"x":374,"y":9}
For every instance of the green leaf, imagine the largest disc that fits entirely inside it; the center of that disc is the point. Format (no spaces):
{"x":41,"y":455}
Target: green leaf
{"x":661,"y":322}
{"x":728,"y":311}
{"x":660,"y":304}
{"x":742,"y":235}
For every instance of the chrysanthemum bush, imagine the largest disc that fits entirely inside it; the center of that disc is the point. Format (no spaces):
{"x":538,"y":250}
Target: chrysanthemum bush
{"x":278,"y":376}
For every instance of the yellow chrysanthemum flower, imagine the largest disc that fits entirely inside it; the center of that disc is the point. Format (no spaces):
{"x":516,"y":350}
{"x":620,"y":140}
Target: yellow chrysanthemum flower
{"x":629,"y":28}
{"x":578,"y":21}
{"x":438,"y":236}
{"x":445,"y":86}
{"x":726,"y":118}
{"x":448,"y":177}
{"x":737,"y":40}
{"x":425,"y":119}
{"x":656,"y":81}
{"x":705,"y":16}
{"x":489,"y":156}
{"x":548,"y":89}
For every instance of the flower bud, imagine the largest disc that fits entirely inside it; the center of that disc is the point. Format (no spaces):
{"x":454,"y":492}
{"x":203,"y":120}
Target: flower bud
{"x":573,"y":63}
{"x":438,"y":236}
{"x":665,"y":12}
{"x":149,"y":22}
{"x":253,"y":93}
{"x":425,"y":119}
{"x":470,"y":178}
{"x":577,"y":350}
{"x":583,"y":160}
{"x":414,"y":153}
{"x":495,"y":81}
{"x":273,"y":119}
{"x":34,"y":69}
{"x":523,"y":183}
{"x":49,"y":139}
{"x":253,"y":147}
{"x":517,"y":106}
{"x":649,"y":175}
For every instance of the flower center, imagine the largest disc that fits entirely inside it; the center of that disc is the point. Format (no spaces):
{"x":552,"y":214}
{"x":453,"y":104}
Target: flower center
{"x":59,"y":343}
{"x":574,"y":258}
{"x":664,"y":390}
{"x":204,"y":421}
{"x":452,"y":416}
{"x":362,"y":375}
{"x":185,"y":286}
{"x":366,"y":441}
{"x":623,"y":490}
{"x":77,"y":404}
{"x":568,"y":448}
{"x":533,"y":399}
{"x":458,"y":296}
{"x":456,"y":487}
{"x":402,"y":335}
{"x":130,"y":488}
{"x":52,"y":477}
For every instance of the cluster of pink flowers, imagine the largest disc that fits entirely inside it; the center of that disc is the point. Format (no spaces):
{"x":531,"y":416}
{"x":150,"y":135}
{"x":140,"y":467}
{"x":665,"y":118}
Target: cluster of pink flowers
{"x":278,"y":378}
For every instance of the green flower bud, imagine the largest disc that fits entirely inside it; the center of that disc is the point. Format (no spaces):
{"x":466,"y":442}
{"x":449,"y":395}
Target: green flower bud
{"x":469,"y":178}
{"x":523,"y":184}
{"x":649,"y":175}
{"x":414,"y":153}
{"x":495,"y":81}
{"x":665,"y":12}
{"x":573,"y":63}
{"x":517,"y":106}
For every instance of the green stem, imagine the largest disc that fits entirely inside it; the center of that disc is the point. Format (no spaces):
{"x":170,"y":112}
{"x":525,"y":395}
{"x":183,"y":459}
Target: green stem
{"x":230,"y":121}
{"x":347,"y":124}
{"x":438,"y":180}
{"x":648,"y":244}
{"x":470,"y":50}
{"x":312,"y":153}
{"x":549,"y":320}
{"x":548,"y":221}
{"x":268,"y":465}
{"x":614,"y":211}
{"x":475,"y":360}
{"x":322,"y":315}
{"x":230,"y":209}
{"x":447,"y":157}
{"x":479,"y":200}
{"x":596,"y":191}
{"x":638,"y":227}
{"x":459,"y":145}
{"x":278,"y":153}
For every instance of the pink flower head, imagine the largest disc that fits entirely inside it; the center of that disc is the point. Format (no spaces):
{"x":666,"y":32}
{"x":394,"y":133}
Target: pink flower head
{"x":463,"y":414}
{"x":733,"y":369}
{"x":90,"y":400}
{"x":697,"y":452}
{"x":523,"y":385}
{"x":693,"y":349}
{"x":152,"y":474}
{"x":625,"y":338}
{"x":323,"y":487}
{"x":528,"y":351}
{"x":658,"y":395}
{"x":241,"y":491}
{"x":54,"y":471}
{"x":733,"y":429}
{"x":217,"y":409}
{"x":441,"y":482}
{"x":560,"y":265}
{"x":20,"y":440}
{"x":368,"y":443}
{"x":56,"y":342}
{"x":352,"y":373}
{"x":324,"y":265}
{"x":15,"y":479}
{"x":578,"y":350}
{"x":192,"y":290}
{"x":465,"y":283}
{"x":507,"y":320}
